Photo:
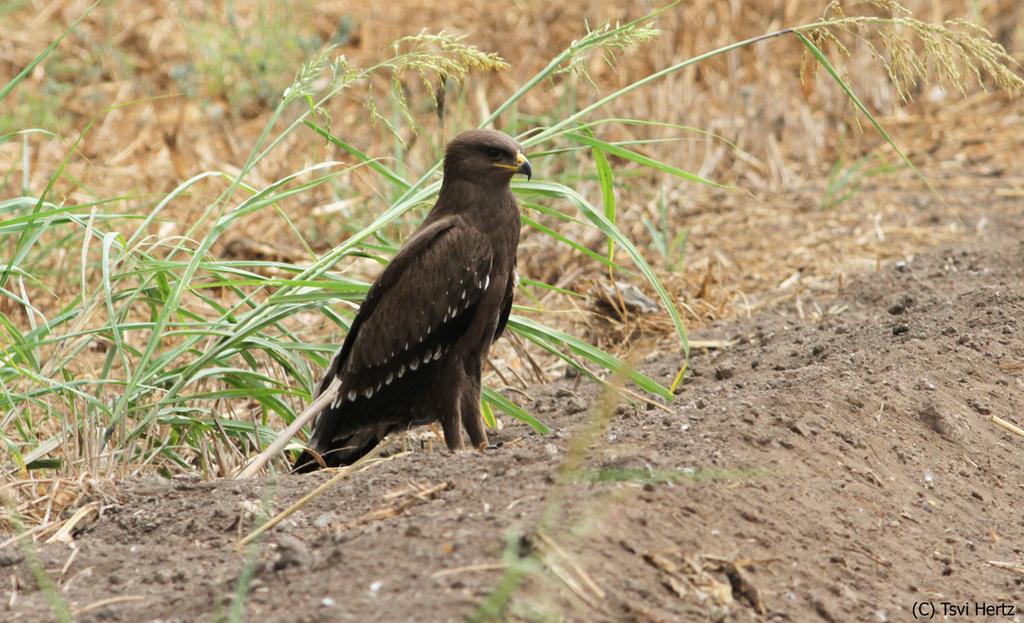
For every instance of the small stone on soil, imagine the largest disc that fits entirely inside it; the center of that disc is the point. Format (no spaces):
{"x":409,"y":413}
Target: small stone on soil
{"x":9,"y":558}
{"x":936,"y":420}
{"x":575,"y":405}
{"x":724,"y":371}
{"x":291,"y":552}
{"x":326,"y":520}
{"x":978,"y":406}
{"x":901,"y":307}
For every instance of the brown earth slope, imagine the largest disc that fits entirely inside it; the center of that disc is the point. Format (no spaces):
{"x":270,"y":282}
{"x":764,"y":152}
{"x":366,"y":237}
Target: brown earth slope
{"x":836,"y":466}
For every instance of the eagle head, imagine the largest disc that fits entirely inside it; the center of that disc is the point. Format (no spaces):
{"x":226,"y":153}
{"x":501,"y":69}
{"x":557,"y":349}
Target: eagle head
{"x":486,"y":156}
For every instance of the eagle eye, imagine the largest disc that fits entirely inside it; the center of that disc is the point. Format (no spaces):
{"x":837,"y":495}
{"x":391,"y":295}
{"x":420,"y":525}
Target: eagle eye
{"x":493,"y":153}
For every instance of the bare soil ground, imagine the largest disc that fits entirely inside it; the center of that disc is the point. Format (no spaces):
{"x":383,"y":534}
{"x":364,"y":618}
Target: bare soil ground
{"x":836,"y":466}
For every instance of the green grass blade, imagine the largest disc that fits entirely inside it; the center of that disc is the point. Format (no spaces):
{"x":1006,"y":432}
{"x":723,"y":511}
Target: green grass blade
{"x":537,"y":331}
{"x":607,"y":261}
{"x":597,"y":219}
{"x":514,"y":410}
{"x":628,"y":154}
{"x":373,"y":163}
{"x":824,"y":62}
{"x":24,"y":73}
{"x":606,"y":180}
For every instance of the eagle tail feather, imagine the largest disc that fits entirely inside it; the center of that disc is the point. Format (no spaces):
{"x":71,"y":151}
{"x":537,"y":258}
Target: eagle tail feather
{"x":342,"y":451}
{"x":305,"y":463}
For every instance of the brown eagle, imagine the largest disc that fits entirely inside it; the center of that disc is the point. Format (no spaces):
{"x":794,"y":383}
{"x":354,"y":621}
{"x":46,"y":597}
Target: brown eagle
{"x":414,"y":351}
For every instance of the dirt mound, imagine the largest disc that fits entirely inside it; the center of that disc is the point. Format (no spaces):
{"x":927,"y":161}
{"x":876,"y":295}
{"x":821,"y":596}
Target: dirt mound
{"x":841,"y":465}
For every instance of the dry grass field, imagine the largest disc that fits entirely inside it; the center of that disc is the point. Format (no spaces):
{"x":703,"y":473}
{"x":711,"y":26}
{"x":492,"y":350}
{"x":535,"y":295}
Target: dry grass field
{"x":194,"y":195}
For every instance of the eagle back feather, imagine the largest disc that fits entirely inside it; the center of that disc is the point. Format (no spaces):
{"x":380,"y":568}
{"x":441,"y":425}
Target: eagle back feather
{"x":423,"y":301}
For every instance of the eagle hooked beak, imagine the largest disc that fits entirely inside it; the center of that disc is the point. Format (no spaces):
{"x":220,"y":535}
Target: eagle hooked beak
{"x":524,"y":165}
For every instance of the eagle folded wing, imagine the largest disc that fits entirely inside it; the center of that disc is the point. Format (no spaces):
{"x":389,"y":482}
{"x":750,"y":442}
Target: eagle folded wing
{"x":506,"y":303}
{"x":421,"y":304}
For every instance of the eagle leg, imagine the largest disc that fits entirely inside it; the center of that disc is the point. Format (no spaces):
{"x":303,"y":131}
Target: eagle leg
{"x":450,"y":420}
{"x":472,"y":420}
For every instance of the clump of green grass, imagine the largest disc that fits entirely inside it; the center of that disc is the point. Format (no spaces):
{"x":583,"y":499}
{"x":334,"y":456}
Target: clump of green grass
{"x":29,"y":108}
{"x":668,"y":239}
{"x":247,"y":60}
{"x":845,"y":179}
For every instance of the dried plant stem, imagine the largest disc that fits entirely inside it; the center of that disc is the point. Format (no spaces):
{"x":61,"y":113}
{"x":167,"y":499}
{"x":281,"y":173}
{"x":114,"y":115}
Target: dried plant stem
{"x":1008,"y":566}
{"x":1013,"y":428}
{"x":109,"y":601}
{"x":341,"y":474}
{"x":64,"y":534}
{"x":282,"y":439}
